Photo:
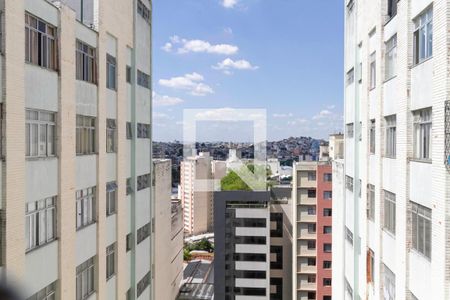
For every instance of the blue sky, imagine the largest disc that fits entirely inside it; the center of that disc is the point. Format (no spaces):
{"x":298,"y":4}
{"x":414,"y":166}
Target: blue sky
{"x":285,"y":56}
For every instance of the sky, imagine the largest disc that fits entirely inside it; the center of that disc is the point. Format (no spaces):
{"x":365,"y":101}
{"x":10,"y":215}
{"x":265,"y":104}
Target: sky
{"x":219,"y":56}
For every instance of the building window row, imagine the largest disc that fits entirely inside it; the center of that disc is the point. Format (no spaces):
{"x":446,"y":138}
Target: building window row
{"x":40,"y":222}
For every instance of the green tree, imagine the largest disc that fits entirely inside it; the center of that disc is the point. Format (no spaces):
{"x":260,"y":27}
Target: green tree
{"x":186,"y":254}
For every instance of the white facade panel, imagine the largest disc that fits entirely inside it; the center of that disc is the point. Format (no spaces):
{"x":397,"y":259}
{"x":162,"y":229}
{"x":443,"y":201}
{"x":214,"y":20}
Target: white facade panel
{"x":251,"y":231}
{"x":111,"y":159}
{"x":422,"y":85}
{"x":86,"y":94}
{"x":41,"y":88}
{"x":43,"y":10}
{"x":86,"y":171}
{"x":391,"y":94}
{"x":86,"y":243}
{"x":42,"y":179}
{"x":251,"y":283}
{"x":421,"y":183}
{"x":251,"y":266}
{"x":111,"y":229}
{"x":241,"y":248}
{"x":420,"y":279}
{"x":251,"y":213}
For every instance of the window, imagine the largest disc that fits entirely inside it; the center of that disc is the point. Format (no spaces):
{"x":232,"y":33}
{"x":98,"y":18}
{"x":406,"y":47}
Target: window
{"x":85,"y":279}
{"x":391,"y":58}
{"x":349,"y":183}
{"x":350,"y":76}
{"x":391,"y":136}
{"x":143,"y":131}
{"x":128,"y":74}
{"x":413,"y":297}
{"x":110,"y":261}
{"x":86,"y":63}
{"x":423,"y":36}
{"x":373,"y":71}
{"x":327,"y":264}
{"x":111,"y":136}
{"x":311,"y":278}
{"x":40,"y":219}
{"x":372,"y":137}
{"x":349,"y":235}
{"x":85,"y":207}
{"x":370,"y":266}
{"x":391,"y":8}
{"x":40,"y":133}
{"x":389,"y":212}
{"x":111,"y":198}
{"x":311,"y":193}
{"x":85,"y":135}
{"x":143,"y":233}
{"x":327,"y":248}
{"x":311,"y":245}
{"x":47,"y":293}
{"x":311,"y":295}
{"x":348,"y":290}
{"x":311,"y":210}
{"x":276,"y":226}
{"x":312,"y":176}
{"x":143,"y":182}
{"x":371,"y":202}
{"x":327,"y":195}
{"x":350,"y":130}
{"x":326,"y":297}
{"x":129,"y":187}
{"x":144,"y":12}
{"x":327,"y":229}
{"x":142,"y":284}
{"x":129,"y":131}
{"x":422,"y":134}
{"x":327,"y":177}
{"x":421,"y":229}
{"x":312,"y":228}
{"x":327,"y":281}
{"x":276,"y":257}
{"x":143,"y":79}
{"x":111,"y":75}
{"x":40,"y":43}
{"x":327,"y":212}
{"x":129,"y":243}
{"x":311,"y":261}
{"x":389,"y":283}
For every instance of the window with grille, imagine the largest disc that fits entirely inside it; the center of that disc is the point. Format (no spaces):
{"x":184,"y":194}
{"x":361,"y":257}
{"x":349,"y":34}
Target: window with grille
{"x":40,"y":222}
{"x":40,"y":133}
{"x":421,"y":229}
{"x":422,"y":133}
{"x":389,"y":212}
{"x":40,"y":43}
{"x":85,"y":202}
{"x":86,"y":62}
{"x":391,"y":136}
{"x":85,"y":135}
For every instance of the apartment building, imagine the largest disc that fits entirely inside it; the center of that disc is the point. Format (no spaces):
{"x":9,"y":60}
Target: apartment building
{"x":168,"y":234}
{"x":196,"y":193}
{"x":395,"y":181}
{"x":312,"y":239}
{"x":242,"y":245}
{"x":75,"y":203}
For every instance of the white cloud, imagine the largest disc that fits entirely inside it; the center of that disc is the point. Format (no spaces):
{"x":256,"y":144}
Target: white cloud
{"x":189,"y":82}
{"x":331,"y":107}
{"x":297,"y":122}
{"x":164,"y":100}
{"x":229,"y":64}
{"x":280,"y":116}
{"x":229,"y":3}
{"x":200,"y":46}
{"x":167,"y":47}
{"x":228,"y":31}
{"x":322,"y":114}
{"x":161,"y":116}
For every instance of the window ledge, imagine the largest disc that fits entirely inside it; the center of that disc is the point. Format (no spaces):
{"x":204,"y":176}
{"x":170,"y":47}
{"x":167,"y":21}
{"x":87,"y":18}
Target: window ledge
{"x":85,"y":226}
{"x":421,"y":160}
{"x":390,"y":78}
{"x":422,"y":62}
{"x":389,"y":19}
{"x":42,"y":68}
{"x":392,"y":235}
{"x":87,"y":154}
{"x":111,"y":276}
{"x":389,"y":157}
{"x":32,"y":158}
{"x":40,"y":246}
{"x":420,"y":254}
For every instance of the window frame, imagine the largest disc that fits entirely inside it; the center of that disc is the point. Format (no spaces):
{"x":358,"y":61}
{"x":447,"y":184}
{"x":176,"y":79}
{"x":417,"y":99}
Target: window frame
{"x":36,"y":120}
{"x":371,"y":202}
{"x":111,"y":136}
{"x":37,"y":213}
{"x":86,"y":210}
{"x":390,"y":210}
{"x":373,"y":70}
{"x":372,"y":136}
{"x":86,"y":62}
{"x":86,"y":269}
{"x":423,"y":23}
{"x":390,"y":58}
{"x":86,"y":133}
{"x":111,"y":72}
{"x":110,"y":261}
{"x":422,"y":134}
{"x":111,"y":198}
{"x":391,"y":136}
{"x":421,"y":214}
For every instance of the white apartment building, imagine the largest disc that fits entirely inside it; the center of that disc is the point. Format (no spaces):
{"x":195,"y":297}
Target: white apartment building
{"x":75,"y":189}
{"x":394,"y":217}
{"x":196,"y":193}
{"x":168,"y":234}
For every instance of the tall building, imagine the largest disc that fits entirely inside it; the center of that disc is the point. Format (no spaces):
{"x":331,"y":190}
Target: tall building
{"x":312,"y":240}
{"x":242,"y":245}
{"x":196,"y":193}
{"x":395,"y":217}
{"x":75,"y":203}
{"x":168,"y":254}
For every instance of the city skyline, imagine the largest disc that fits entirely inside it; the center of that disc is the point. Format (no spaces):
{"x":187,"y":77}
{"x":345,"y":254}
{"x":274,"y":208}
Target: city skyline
{"x":224,"y":54}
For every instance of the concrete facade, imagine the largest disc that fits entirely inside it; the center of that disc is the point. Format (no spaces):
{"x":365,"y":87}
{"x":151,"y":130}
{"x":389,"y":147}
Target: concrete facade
{"x":388,"y":88}
{"x":168,"y":234}
{"x":312,"y":237}
{"x":49,"y":84}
